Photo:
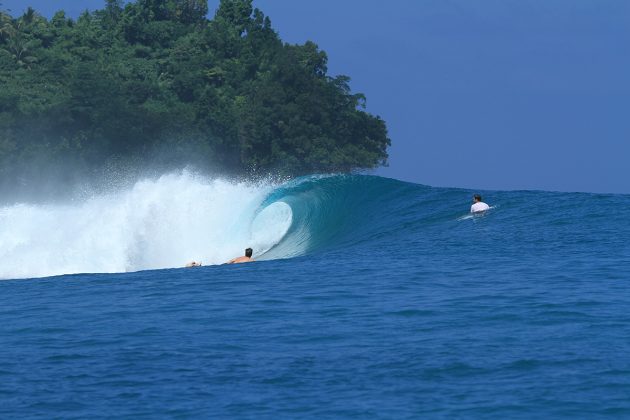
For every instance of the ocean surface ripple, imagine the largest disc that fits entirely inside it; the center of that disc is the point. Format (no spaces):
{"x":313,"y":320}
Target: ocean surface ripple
{"x":372,"y":298}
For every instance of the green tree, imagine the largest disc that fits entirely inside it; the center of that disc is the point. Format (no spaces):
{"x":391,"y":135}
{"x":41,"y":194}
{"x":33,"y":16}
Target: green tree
{"x":235,"y":13}
{"x":155,"y":79}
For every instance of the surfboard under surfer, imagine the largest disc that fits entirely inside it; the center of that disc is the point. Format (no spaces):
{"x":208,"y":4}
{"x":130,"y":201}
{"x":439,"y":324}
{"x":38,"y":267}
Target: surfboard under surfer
{"x":478,"y":205}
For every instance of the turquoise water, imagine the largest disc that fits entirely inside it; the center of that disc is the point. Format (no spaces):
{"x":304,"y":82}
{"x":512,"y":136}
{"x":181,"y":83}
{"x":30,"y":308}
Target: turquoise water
{"x":376,"y":298}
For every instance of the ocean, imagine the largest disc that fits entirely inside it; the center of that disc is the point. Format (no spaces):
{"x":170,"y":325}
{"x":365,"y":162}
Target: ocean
{"x":370,"y":298}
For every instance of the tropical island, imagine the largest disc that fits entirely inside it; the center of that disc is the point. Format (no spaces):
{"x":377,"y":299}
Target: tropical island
{"x":157,"y":79}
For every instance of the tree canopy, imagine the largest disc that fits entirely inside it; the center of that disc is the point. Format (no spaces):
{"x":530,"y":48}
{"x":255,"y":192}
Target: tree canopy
{"x":158,"y":78}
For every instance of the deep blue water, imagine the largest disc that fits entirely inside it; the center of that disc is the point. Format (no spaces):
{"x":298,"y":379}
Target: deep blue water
{"x":398,"y":306}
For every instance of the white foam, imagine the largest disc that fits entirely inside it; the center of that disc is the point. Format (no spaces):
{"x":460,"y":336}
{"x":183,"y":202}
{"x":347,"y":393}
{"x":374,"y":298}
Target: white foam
{"x":158,"y":223}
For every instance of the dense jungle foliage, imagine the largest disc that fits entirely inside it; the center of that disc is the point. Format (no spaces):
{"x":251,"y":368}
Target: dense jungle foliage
{"x":157,"y":79}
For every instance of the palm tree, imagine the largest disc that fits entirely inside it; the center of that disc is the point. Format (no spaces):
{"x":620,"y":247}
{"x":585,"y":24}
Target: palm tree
{"x":16,"y":44}
{"x":6,"y":25}
{"x":29,"y":16}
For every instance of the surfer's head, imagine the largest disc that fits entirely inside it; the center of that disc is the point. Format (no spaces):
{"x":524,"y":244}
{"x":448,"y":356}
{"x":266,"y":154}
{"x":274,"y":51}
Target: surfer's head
{"x":248,"y":252}
{"x":476,"y":198}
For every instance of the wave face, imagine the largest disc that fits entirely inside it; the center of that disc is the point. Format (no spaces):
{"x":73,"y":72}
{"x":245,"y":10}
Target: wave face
{"x":180,"y":217}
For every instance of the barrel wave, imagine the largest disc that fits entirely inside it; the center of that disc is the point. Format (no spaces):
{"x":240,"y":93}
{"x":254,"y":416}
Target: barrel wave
{"x":330,"y":212}
{"x":167,"y":221}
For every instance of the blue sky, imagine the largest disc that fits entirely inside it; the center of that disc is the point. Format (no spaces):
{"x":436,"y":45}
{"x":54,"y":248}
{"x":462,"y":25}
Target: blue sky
{"x":485,"y":94}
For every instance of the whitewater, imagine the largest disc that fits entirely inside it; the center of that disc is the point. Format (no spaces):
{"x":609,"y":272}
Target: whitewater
{"x":157,"y":223}
{"x":370,"y":298}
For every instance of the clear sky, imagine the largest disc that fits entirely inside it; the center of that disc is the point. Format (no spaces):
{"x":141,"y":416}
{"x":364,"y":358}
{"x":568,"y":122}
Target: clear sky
{"x":487,"y":94}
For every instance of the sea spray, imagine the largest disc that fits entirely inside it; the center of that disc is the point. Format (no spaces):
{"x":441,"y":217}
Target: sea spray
{"x":156,"y":223}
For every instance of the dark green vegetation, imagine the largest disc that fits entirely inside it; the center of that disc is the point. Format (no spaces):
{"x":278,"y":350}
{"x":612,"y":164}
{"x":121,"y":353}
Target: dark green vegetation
{"x":156,"y":80}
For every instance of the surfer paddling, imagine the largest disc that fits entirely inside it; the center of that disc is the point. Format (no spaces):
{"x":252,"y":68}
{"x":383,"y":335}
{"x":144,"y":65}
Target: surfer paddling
{"x":478,"y":205}
{"x":246,"y":258}
{"x":237,"y":260}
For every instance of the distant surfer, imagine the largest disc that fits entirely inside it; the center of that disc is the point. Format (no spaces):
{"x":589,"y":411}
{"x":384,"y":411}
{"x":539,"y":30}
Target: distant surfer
{"x":478,"y":205}
{"x":246,"y":258}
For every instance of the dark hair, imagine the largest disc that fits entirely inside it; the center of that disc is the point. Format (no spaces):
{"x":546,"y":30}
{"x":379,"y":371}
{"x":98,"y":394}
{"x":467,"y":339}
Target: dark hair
{"x":477,"y":197}
{"x":248,"y":252}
